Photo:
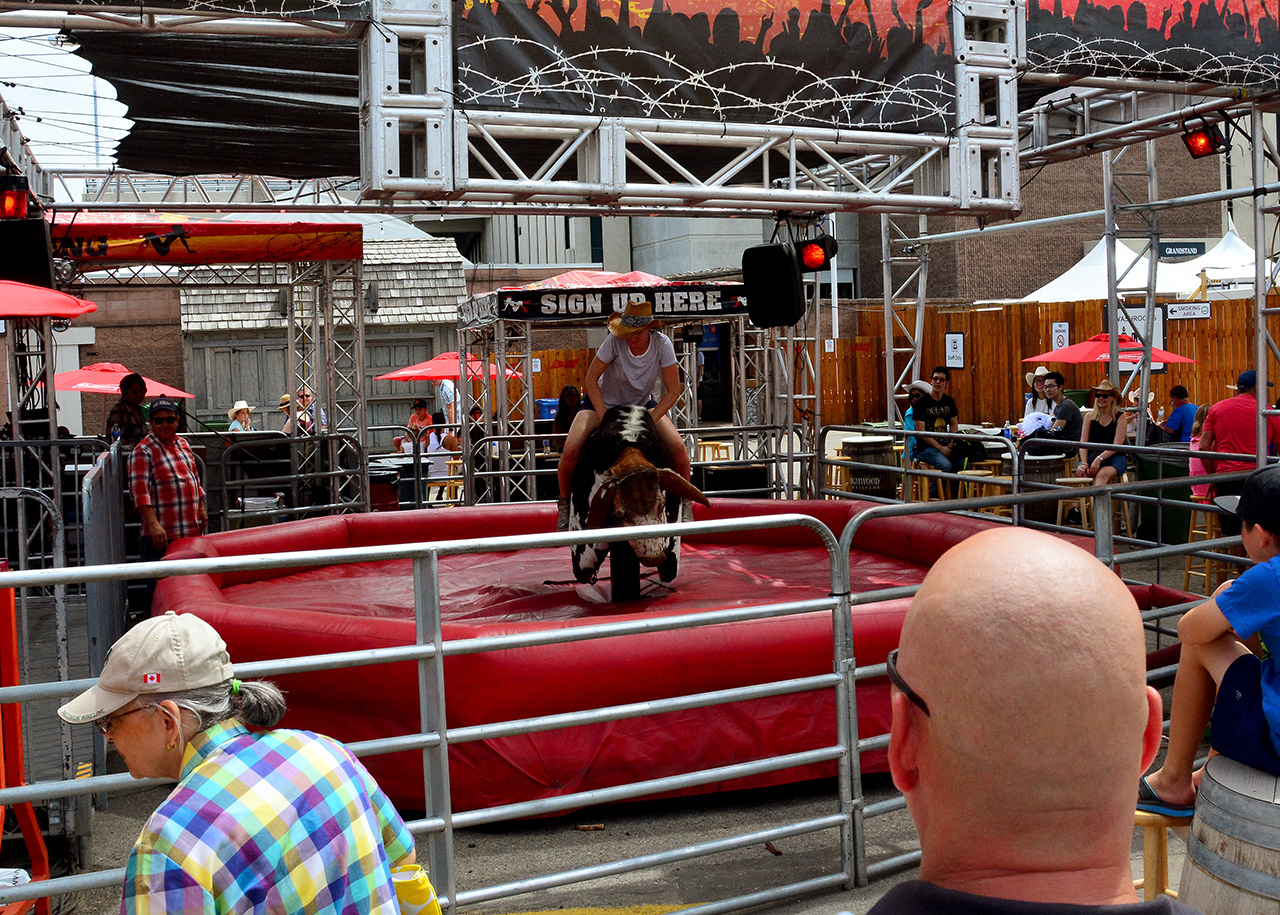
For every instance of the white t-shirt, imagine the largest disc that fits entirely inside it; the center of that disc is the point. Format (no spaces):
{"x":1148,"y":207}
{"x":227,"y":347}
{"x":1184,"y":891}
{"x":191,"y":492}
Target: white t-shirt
{"x":629,"y":379}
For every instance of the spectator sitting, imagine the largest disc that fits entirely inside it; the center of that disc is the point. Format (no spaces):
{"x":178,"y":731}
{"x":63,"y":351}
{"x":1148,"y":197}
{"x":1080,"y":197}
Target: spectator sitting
{"x":915,"y":391}
{"x":285,"y":400}
{"x":1015,"y":765}
{"x":126,"y":415}
{"x":1197,"y":469}
{"x":1181,"y":416}
{"x":936,"y":413}
{"x":1106,"y":424}
{"x":1037,"y":402}
{"x":239,"y":416}
{"x":419,"y":424}
{"x":1067,"y":421}
{"x":1219,"y":676}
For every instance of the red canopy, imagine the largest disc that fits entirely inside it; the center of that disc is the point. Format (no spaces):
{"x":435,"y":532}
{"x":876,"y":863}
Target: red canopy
{"x":1098,"y":349}
{"x":104,"y":378}
{"x":19,"y":300}
{"x":446,"y":365}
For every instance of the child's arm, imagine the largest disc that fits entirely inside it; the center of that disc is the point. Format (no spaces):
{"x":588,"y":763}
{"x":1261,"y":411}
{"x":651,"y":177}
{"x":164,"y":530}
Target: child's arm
{"x":1203,"y":623}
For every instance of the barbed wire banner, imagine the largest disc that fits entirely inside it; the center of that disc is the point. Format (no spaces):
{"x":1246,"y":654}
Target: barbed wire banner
{"x":1227,"y":42}
{"x":341,"y":10}
{"x":871,"y":64}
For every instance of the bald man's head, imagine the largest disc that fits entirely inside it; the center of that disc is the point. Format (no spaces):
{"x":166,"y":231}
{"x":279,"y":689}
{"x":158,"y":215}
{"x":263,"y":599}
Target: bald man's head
{"x":1031,"y":656}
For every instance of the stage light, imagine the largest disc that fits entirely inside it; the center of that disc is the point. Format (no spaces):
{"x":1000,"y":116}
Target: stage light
{"x":816,"y":253}
{"x":1207,"y":140}
{"x":13,"y":196}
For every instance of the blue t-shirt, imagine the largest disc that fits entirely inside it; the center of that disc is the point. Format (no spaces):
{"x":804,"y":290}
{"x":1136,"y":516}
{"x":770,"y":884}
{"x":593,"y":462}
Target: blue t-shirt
{"x":1252,"y":605}
{"x":1181,"y":421}
{"x":909,"y":423}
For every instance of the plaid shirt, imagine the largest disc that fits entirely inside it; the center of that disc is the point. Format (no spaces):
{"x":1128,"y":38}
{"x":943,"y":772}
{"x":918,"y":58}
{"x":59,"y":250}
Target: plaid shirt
{"x":278,"y":821}
{"x":167,"y":479}
{"x":133,"y":426}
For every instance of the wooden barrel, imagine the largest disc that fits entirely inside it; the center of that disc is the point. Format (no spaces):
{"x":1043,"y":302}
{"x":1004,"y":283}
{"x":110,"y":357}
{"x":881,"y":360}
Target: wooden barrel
{"x":872,"y":449}
{"x":1233,"y":853}
{"x":1036,"y":468}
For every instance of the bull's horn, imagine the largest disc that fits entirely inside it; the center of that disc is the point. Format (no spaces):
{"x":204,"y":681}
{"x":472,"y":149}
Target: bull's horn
{"x":602,"y":504}
{"x":671,"y":482}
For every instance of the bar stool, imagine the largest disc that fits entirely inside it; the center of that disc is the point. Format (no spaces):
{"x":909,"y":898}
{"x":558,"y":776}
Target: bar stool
{"x":997,"y":486}
{"x":1083,"y":503}
{"x":920,"y":488}
{"x":451,"y":490}
{"x":972,"y":486}
{"x":837,"y":478}
{"x":1204,"y":526}
{"x":898,"y":452}
{"x":713,"y":451}
{"x":992,"y":465}
{"x":1155,"y":853}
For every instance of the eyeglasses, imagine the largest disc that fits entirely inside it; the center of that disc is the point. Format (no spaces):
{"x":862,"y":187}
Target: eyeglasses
{"x":163,"y":420}
{"x":1051,"y":384}
{"x":106,"y":724}
{"x":939,"y":381}
{"x":891,"y":667}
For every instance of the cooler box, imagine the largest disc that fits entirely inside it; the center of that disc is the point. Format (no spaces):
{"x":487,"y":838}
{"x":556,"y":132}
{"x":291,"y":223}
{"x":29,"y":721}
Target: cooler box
{"x":545,"y":407}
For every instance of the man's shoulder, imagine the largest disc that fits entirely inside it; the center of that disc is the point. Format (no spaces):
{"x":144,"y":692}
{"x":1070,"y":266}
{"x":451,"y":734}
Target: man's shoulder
{"x":917,"y":897}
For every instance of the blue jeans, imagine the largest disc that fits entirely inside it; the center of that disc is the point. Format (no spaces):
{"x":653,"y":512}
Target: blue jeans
{"x":936,"y":459}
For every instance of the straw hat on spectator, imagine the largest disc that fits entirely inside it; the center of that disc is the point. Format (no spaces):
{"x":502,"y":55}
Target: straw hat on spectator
{"x":284,"y":401}
{"x":1031,"y":377}
{"x":1106,"y":387}
{"x":1133,"y":396}
{"x":237,"y":407}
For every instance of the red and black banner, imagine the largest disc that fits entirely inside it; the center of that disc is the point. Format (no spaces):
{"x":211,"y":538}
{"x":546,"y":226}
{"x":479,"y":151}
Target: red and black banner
{"x":1228,"y":42}
{"x":871,"y":64}
{"x":671,"y":302}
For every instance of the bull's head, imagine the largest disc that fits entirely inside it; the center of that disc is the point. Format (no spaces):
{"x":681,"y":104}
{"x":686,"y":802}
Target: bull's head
{"x":633,"y":492}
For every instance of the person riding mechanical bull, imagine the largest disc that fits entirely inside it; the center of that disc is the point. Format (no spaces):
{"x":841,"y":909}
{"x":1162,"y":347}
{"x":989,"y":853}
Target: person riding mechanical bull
{"x":624,"y":457}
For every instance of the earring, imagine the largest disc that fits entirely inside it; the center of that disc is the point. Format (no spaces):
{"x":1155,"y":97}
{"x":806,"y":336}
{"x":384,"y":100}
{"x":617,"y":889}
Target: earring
{"x":173,"y":746}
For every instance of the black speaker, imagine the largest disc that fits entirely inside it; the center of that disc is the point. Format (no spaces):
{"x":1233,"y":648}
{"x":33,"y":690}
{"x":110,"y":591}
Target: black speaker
{"x":26,"y":252}
{"x":775,"y":291}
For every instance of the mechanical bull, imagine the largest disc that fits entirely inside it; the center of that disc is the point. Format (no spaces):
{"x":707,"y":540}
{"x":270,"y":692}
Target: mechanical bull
{"x":620,"y":482}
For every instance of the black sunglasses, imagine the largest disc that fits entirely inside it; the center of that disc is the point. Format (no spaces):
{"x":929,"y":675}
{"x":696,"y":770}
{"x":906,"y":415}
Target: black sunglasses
{"x":164,"y":420}
{"x":891,"y":667}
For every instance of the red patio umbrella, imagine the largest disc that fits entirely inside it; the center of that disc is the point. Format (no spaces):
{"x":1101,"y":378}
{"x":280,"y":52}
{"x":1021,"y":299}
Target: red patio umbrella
{"x":20,"y":300}
{"x":446,"y":365}
{"x":1098,"y":349}
{"x":104,"y":378}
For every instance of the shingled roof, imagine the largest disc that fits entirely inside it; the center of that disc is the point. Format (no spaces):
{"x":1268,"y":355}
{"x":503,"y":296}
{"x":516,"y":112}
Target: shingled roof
{"x":419,"y":281}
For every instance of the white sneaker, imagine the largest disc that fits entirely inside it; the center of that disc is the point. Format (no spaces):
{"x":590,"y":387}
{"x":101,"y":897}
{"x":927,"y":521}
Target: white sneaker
{"x":562,"y":520}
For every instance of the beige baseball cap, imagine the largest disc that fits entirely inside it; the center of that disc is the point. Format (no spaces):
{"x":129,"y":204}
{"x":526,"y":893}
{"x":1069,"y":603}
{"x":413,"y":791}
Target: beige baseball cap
{"x":164,"y":654}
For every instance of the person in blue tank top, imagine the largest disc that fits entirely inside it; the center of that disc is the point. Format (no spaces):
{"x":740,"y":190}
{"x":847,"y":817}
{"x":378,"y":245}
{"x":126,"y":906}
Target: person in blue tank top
{"x":1221,"y":674}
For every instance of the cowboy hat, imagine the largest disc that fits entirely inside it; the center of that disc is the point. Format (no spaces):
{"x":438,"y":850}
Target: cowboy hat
{"x":1106,"y":387}
{"x":1133,"y":396}
{"x":237,"y":407}
{"x":1040,"y":372}
{"x":922,"y":386}
{"x":634,"y":317}
{"x":284,"y":400}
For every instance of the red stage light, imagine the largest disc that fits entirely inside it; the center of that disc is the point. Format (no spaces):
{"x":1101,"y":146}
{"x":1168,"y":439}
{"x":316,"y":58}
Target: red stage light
{"x":13,"y":204}
{"x":816,"y":253}
{"x":1206,"y":141}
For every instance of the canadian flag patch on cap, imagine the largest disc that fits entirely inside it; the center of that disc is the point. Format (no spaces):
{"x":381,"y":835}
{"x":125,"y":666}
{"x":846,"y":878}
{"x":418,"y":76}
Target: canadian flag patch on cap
{"x":151,"y":679}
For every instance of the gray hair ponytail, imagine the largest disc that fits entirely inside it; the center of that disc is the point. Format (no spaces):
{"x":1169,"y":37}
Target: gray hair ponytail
{"x":256,"y":702}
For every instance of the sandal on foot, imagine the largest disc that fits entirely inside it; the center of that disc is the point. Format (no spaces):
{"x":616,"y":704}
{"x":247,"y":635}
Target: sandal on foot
{"x":1151,"y":802}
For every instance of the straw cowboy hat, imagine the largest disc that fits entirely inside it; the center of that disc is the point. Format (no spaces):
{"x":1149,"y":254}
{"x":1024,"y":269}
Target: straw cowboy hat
{"x":284,"y":400}
{"x":1031,"y":377}
{"x":1106,"y":387}
{"x":634,"y":317}
{"x":237,"y":407}
{"x":1133,"y":396}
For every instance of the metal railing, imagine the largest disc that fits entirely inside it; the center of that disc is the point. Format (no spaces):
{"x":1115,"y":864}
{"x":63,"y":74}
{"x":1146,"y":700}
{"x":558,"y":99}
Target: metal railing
{"x":435,"y":735}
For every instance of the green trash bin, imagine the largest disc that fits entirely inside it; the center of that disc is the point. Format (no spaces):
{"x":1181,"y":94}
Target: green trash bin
{"x":1079,"y":395}
{"x":1174,"y":461}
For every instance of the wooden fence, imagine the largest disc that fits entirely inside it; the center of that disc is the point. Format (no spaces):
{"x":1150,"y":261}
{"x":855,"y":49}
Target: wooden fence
{"x":990,"y":387}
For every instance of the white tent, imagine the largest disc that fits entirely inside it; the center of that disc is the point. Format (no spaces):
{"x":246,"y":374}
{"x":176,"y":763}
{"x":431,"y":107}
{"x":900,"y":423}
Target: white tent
{"x":1227,"y":266}
{"x":1087,"y":278}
